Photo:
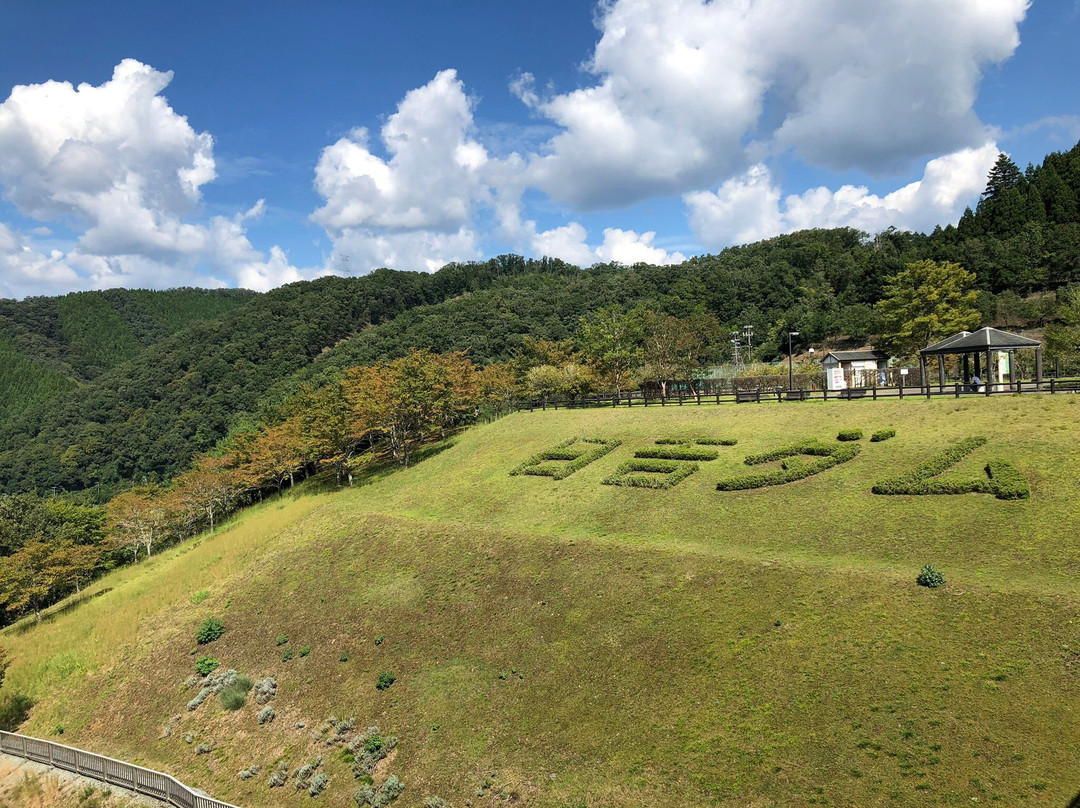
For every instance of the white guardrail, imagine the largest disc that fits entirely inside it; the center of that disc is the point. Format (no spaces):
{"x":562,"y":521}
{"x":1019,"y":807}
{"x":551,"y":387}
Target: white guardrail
{"x":114,"y":772}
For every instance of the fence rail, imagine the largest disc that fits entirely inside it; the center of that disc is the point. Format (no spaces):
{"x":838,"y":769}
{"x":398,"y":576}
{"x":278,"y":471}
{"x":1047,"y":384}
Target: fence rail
{"x":738,"y":396}
{"x":114,"y":772}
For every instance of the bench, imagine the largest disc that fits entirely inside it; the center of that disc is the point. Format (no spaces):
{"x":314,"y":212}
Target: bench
{"x":744,"y":396}
{"x":853,"y":392}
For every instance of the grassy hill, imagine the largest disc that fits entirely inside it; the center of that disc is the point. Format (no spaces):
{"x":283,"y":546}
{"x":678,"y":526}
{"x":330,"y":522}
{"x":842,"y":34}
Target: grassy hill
{"x":568,"y":643}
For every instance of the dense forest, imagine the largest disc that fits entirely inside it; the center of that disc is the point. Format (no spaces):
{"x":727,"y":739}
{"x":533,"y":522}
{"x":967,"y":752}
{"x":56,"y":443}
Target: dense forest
{"x":102,"y":389}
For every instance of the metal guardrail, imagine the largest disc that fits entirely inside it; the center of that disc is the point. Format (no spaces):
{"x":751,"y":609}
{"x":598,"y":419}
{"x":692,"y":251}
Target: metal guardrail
{"x":107,"y":770}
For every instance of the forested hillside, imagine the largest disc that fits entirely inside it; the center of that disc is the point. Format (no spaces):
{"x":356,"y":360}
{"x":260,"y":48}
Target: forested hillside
{"x":164,"y":378}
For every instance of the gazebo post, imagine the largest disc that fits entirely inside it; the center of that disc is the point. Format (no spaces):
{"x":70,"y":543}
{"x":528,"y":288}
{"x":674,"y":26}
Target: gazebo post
{"x":967,"y":370}
{"x":1038,"y":368}
{"x":989,"y":372}
{"x":922,"y":373}
{"x":978,"y":366}
{"x":941,"y":373}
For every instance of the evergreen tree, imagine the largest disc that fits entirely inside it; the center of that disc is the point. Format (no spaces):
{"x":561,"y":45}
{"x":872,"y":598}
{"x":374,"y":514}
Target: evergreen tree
{"x":1003,"y":176}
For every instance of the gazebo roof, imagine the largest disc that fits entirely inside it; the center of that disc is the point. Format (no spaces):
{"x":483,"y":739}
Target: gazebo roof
{"x":985,"y":339}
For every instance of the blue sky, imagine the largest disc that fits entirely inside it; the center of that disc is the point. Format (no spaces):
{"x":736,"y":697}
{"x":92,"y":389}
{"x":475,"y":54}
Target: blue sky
{"x":240,"y":144}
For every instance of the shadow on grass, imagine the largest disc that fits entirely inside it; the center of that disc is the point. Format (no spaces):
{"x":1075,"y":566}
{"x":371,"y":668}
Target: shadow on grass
{"x":28,"y":623}
{"x":1075,"y":802}
{"x":326,"y":482}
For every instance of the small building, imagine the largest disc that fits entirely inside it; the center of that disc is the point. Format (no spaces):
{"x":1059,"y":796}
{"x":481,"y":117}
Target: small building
{"x":857,"y":367}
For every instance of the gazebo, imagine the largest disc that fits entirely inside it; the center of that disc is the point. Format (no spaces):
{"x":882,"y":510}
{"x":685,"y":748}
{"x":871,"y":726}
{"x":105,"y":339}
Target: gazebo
{"x":980,"y":343}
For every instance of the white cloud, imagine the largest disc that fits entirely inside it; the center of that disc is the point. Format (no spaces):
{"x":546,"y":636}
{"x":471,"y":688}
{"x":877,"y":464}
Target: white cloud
{"x":413,"y":210}
{"x":628,"y":247}
{"x":118,"y":165}
{"x":683,"y":87}
{"x":26,"y":271}
{"x":748,"y":207}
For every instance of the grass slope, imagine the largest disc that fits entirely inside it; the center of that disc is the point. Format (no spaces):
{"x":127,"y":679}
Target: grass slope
{"x":610,"y":646}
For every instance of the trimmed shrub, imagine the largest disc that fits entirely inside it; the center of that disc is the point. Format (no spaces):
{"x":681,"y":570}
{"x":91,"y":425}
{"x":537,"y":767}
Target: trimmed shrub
{"x":305,"y":650}
{"x":205,"y":665}
{"x":849,"y":434}
{"x":247,"y":774}
{"x":920,"y":480}
{"x":570,"y":458}
{"x":278,"y":777}
{"x":199,"y":698}
{"x":265,"y":690}
{"x":793,"y":468}
{"x":266,"y":715}
{"x":930,"y":577}
{"x":683,"y":452}
{"x":318,"y":783}
{"x":282,"y":639}
{"x":203,"y":749}
{"x":285,"y":657}
{"x":1006,"y":482}
{"x":386,"y":678}
{"x":716,"y":441}
{"x":368,"y":797}
{"x":882,"y":434}
{"x":649,"y":473}
{"x":368,"y":748}
{"x":210,"y":630}
{"x":303,"y":775}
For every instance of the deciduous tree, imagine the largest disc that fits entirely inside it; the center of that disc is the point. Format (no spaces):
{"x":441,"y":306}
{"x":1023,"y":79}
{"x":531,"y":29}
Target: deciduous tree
{"x":926,"y":301}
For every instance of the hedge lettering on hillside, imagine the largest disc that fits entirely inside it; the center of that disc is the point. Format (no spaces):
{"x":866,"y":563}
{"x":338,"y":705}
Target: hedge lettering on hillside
{"x":562,"y":460}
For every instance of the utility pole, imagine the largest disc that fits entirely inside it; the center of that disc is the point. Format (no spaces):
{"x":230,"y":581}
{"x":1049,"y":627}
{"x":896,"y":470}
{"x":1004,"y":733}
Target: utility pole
{"x":790,"y":365}
{"x":748,"y":332}
{"x":735,"y":342}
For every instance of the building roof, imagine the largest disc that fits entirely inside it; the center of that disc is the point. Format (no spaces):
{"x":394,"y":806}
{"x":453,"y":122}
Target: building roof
{"x":856,"y":356}
{"x":985,"y":339}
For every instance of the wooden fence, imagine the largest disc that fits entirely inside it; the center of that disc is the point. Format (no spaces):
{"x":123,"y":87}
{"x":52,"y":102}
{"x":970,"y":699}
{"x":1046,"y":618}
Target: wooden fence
{"x":114,"y":772}
{"x":646,"y":399}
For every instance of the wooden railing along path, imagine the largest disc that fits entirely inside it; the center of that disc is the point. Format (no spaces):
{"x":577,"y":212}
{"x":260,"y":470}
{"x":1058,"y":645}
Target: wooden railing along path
{"x":954,"y":390}
{"x":114,"y":772}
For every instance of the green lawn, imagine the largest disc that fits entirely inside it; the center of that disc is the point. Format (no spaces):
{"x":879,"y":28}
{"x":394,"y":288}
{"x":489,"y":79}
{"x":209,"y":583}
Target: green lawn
{"x":612,"y":646}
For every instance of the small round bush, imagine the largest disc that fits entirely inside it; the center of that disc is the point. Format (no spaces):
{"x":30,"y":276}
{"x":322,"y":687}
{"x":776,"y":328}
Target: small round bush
{"x":305,"y":650}
{"x":266,"y":715}
{"x":285,"y":657}
{"x":849,"y":434}
{"x":318,"y":783}
{"x":210,"y":630}
{"x":282,"y":639}
{"x":386,"y":678}
{"x":205,"y":665}
{"x":930,"y":577}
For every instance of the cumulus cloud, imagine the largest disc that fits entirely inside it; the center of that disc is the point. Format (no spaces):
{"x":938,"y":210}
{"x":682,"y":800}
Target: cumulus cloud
{"x":685,"y":90}
{"x":748,"y":207}
{"x":412,"y":210}
{"x":570,"y":243}
{"x":121,"y":168}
